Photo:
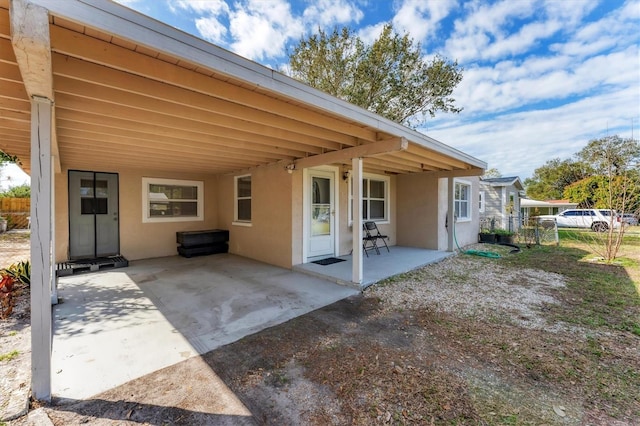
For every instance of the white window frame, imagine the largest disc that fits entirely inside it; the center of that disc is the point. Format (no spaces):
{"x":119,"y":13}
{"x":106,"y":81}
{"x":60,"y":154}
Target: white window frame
{"x":387,"y":198}
{"x":147,"y":218}
{"x":482,"y":201}
{"x":236,"y":221}
{"x":468,"y":201}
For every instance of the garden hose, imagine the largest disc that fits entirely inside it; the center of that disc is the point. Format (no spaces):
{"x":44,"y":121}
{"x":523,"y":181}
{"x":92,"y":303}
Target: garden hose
{"x":489,"y":254}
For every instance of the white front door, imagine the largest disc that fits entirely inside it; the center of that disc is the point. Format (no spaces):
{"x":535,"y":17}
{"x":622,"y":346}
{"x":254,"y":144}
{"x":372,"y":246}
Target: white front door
{"x":321,"y":217}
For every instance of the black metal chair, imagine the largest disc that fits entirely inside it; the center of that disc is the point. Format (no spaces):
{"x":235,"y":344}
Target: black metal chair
{"x":370,"y":238}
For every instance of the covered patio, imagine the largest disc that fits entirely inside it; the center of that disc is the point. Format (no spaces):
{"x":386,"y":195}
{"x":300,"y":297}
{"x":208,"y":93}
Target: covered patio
{"x":376,"y":267}
{"x":121,"y":324}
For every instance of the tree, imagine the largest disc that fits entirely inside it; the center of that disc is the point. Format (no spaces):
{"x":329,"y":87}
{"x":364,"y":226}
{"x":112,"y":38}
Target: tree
{"x":491,"y":173}
{"x":20,"y":191}
{"x":614,"y":184}
{"x":389,"y":77}
{"x":549,"y":181}
{"x":616,"y":169}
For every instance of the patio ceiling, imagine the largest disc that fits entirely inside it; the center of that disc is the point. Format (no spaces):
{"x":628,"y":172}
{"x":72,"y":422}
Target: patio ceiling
{"x":120,"y":104}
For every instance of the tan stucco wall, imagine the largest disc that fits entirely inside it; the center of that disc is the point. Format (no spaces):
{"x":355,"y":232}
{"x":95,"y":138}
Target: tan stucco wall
{"x":61,"y":217}
{"x":418,"y":211}
{"x":138,"y":240}
{"x":269,"y":237}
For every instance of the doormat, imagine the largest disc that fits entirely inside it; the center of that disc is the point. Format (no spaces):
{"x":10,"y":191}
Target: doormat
{"x":328,"y":261}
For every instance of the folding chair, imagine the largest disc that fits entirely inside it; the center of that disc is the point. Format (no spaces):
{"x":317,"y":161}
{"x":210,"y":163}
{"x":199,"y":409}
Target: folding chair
{"x":371,"y":236}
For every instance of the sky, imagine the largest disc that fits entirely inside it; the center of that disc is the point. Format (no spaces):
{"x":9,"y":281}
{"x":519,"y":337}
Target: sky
{"x":541,"y":78}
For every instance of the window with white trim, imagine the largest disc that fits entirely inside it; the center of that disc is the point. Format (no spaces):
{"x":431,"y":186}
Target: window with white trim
{"x":461,"y":199}
{"x":375,"y":198}
{"x":242,"y":214}
{"x":172,"y":200}
{"x":481,"y":201}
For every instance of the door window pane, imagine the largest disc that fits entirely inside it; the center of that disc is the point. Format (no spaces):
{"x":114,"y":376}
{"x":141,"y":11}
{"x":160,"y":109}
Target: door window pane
{"x":321,"y":206}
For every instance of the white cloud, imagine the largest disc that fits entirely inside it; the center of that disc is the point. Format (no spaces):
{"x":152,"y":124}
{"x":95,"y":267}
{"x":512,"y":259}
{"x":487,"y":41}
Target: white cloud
{"x":370,"y":33}
{"x":211,"y":29}
{"x":421,"y":18}
{"x":261,"y":29}
{"x":329,"y":13}
{"x":212,"y":7}
{"x":517,"y":143}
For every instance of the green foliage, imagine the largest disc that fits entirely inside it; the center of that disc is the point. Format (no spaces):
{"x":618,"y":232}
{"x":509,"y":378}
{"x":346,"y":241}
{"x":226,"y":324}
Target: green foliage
{"x":620,"y":193}
{"x":549,"y":181}
{"x":20,"y":272}
{"x":611,"y":155}
{"x":491,"y":173}
{"x":9,"y":356}
{"x":20,"y":191}
{"x":6,"y":158}
{"x":389,"y":77}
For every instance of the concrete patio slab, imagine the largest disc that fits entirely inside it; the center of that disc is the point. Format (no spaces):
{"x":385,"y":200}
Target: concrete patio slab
{"x":118,"y":325}
{"x":376,"y":267}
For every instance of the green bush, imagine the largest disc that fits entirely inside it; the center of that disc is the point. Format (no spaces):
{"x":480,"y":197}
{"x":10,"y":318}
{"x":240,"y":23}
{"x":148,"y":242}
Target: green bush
{"x":20,"y":271}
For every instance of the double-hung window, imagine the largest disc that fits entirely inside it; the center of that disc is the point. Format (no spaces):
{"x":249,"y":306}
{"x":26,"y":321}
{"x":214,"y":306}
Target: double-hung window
{"x":462,"y":197}
{"x":172,"y":200}
{"x":375,"y":198}
{"x":242,"y":214}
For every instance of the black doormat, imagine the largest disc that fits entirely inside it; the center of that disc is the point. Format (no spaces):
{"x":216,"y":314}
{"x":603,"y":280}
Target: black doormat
{"x":328,"y":261}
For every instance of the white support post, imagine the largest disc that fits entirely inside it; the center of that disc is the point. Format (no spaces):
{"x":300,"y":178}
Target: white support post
{"x":356,"y":181}
{"x":41,"y":243}
{"x":450,"y":212}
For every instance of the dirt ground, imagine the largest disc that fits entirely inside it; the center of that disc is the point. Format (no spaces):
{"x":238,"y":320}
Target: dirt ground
{"x":467,"y":341}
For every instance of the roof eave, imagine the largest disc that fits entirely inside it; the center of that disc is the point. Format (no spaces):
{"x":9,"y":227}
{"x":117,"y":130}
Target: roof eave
{"x":114,"y":18}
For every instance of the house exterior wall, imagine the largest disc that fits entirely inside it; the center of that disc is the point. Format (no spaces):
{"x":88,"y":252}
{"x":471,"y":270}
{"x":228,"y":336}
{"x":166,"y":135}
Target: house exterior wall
{"x":269,"y":238}
{"x":417,"y":210}
{"x":497,"y":203}
{"x":466,"y":232}
{"x":492,"y":201}
{"x":138,"y":240}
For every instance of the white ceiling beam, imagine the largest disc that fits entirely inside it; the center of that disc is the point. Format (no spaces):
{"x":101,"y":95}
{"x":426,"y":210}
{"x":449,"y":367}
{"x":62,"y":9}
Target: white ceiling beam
{"x":347,"y":154}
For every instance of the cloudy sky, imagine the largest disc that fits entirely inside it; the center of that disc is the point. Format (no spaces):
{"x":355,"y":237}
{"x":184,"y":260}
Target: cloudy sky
{"x":541,"y":78}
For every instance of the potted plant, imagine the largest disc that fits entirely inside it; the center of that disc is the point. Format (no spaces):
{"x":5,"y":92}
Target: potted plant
{"x":503,"y":236}
{"x":487,"y":236}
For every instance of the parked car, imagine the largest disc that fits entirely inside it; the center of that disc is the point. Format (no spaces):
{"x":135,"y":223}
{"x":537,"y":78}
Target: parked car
{"x":630,"y":219}
{"x":598,"y":220}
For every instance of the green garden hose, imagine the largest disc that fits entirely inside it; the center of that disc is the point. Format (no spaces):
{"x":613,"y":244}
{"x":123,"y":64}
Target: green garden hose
{"x":489,"y":254}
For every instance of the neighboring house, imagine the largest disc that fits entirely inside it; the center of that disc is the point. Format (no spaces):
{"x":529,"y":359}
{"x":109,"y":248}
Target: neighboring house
{"x":530,"y":208}
{"x":132,"y":131}
{"x":499,"y":202}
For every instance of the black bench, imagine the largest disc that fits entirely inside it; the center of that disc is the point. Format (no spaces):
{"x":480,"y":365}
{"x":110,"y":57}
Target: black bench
{"x":195,"y":243}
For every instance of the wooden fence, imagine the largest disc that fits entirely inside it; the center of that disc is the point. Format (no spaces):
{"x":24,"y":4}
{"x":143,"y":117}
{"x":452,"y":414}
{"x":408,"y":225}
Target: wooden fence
{"x":17,"y":212}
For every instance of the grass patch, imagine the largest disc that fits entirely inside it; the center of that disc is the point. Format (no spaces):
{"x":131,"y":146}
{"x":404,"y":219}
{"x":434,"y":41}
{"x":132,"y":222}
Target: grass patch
{"x":9,"y":355}
{"x":597,"y":295}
